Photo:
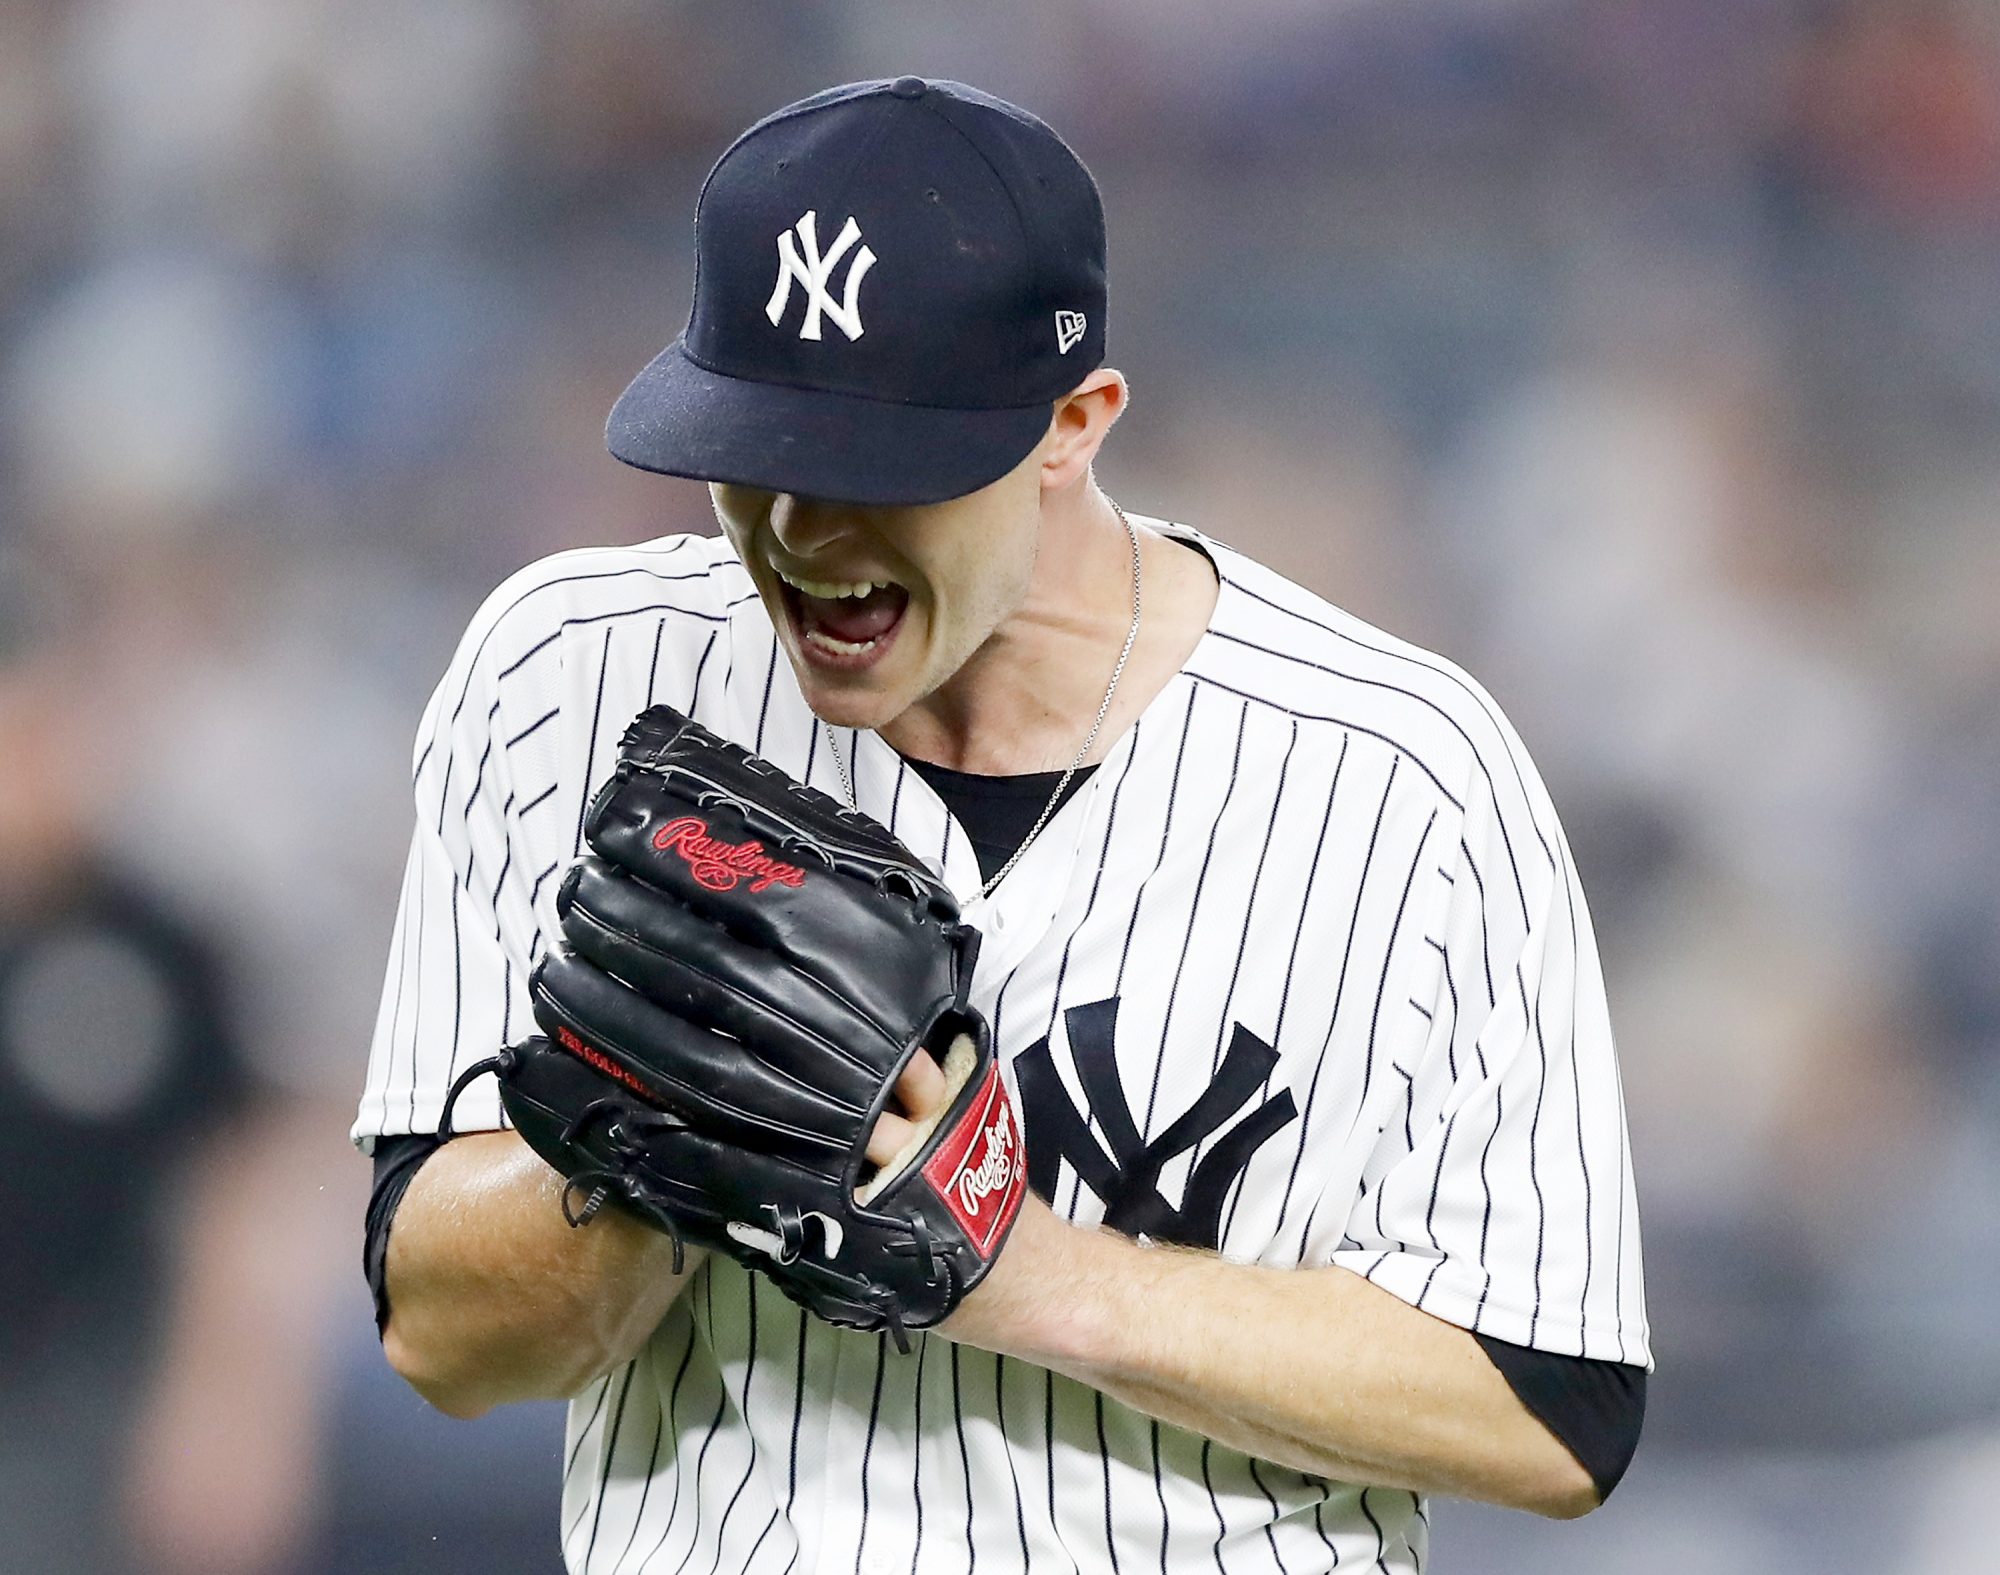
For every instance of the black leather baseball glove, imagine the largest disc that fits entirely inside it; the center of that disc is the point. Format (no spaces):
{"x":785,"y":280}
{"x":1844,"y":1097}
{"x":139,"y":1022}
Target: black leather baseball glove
{"x":746,"y":969}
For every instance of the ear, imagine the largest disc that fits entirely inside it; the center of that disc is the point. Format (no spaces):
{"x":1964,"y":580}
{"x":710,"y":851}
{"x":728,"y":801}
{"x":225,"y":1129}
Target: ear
{"x":1078,"y":428}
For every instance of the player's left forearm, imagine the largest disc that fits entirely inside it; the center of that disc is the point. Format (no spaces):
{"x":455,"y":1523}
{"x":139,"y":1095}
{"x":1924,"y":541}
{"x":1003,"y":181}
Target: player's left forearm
{"x":1315,"y":1369}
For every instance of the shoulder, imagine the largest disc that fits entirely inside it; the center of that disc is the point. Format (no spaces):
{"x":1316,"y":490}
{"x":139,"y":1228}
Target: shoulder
{"x":513,"y":663}
{"x":1276,"y":644}
{"x":693,"y":579}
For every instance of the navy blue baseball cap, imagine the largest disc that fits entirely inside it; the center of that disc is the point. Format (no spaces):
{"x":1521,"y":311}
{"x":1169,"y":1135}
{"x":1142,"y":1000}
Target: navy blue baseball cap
{"x":894,"y":281}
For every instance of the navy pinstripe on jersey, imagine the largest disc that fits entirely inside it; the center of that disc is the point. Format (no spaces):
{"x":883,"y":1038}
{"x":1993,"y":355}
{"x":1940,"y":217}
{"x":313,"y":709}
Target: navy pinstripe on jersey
{"x":1302,"y":974}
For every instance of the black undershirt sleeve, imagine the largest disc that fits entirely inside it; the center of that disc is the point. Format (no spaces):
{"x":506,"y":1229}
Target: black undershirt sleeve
{"x":1594,"y":1407}
{"x":397,"y":1160}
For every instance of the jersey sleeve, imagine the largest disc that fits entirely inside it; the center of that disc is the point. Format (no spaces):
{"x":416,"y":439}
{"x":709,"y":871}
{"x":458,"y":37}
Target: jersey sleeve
{"x":1499,"y":1194}
{"x":467,"y":928}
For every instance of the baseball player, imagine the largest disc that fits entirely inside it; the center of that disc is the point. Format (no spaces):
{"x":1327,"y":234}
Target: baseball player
{"x":1254,"y":922}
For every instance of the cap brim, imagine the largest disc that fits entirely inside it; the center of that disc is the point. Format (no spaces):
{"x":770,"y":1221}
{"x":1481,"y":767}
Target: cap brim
{"x":680,"y":419}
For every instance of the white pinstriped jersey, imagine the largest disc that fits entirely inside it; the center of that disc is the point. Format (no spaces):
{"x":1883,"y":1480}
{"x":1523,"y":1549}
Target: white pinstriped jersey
{"x":1303,"y":973}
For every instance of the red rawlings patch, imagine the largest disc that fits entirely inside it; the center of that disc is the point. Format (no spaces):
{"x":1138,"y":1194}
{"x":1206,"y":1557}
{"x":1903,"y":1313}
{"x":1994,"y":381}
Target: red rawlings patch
{"x":980,"y":1169}
{"x":720,"y":865}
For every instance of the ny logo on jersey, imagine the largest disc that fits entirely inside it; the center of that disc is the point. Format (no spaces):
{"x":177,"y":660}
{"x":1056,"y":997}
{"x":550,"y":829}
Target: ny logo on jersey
{"x":1127,"y":1179}
{"x":799,"y":258}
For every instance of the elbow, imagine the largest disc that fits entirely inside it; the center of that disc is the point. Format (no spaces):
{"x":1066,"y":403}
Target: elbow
{"x":1566,"y":1492}
{"x":1578,"y":1473}
{"x":1572,"y":1504}
{"x":466,"y":1381}
{"x":1537,"y":1475}
{"x":455,"y":1392}
{"x":460,"y":1405}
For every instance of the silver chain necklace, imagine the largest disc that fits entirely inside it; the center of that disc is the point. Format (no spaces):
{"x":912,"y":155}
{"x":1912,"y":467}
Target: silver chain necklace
{"x":1090,"y":738}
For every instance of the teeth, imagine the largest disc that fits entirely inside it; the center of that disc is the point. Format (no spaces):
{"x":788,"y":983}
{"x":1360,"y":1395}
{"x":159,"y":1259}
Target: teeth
{"x":833,"y":590}
{"x":844,"y":647}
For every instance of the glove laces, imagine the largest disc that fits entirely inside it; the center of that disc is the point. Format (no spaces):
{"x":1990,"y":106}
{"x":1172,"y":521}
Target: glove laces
{"x":595,"y":1184}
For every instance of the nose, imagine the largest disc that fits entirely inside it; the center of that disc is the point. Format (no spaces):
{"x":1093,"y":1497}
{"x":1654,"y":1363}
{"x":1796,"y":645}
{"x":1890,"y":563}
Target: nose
{"x":805,"y":527}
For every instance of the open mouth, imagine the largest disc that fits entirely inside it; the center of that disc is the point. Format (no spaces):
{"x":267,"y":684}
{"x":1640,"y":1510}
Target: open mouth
{"x":844,"y":623}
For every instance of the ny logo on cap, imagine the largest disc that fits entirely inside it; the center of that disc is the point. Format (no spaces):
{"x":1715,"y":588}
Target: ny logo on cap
{"x":799,"y":258}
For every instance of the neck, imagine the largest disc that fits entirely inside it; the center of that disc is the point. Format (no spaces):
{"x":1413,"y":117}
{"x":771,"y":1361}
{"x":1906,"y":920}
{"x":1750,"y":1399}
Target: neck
{"x":1025,"y":699}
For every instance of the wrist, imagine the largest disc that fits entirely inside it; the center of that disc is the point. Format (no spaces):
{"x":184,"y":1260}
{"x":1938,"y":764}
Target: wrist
{"x":1049,"y":1296}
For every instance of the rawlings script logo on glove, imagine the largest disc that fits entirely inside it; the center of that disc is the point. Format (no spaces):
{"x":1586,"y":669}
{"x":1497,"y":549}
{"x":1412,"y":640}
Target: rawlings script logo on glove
{"x":981,"y":1162}
{"x":720,"y":865}
{"x":995,"y":1170}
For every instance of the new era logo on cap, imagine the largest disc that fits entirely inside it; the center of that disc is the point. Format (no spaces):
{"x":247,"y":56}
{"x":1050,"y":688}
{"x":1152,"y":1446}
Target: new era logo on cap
{"x":1069,"y":329}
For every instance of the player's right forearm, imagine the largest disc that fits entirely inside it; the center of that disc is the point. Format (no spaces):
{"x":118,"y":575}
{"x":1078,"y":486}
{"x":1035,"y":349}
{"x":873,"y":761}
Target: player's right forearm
{"x":493,"y":1297}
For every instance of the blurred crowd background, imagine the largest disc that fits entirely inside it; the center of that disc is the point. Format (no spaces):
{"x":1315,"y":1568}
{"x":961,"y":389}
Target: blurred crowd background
{"x":1641,"y":355}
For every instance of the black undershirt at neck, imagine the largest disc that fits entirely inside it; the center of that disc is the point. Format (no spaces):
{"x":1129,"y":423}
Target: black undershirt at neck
{"x":997,"y":812}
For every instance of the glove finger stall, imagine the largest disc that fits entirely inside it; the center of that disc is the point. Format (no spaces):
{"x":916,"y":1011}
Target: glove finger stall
{"x":786,"y":902}
{"x":705,"y":1077}
{"x":706,"y":977}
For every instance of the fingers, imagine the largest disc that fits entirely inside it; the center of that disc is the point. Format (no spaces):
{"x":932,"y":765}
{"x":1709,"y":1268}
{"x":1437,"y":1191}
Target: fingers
{"x":921,"y":1094}
{"x":891,"y":1135}
{"x":921,"y":1090}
